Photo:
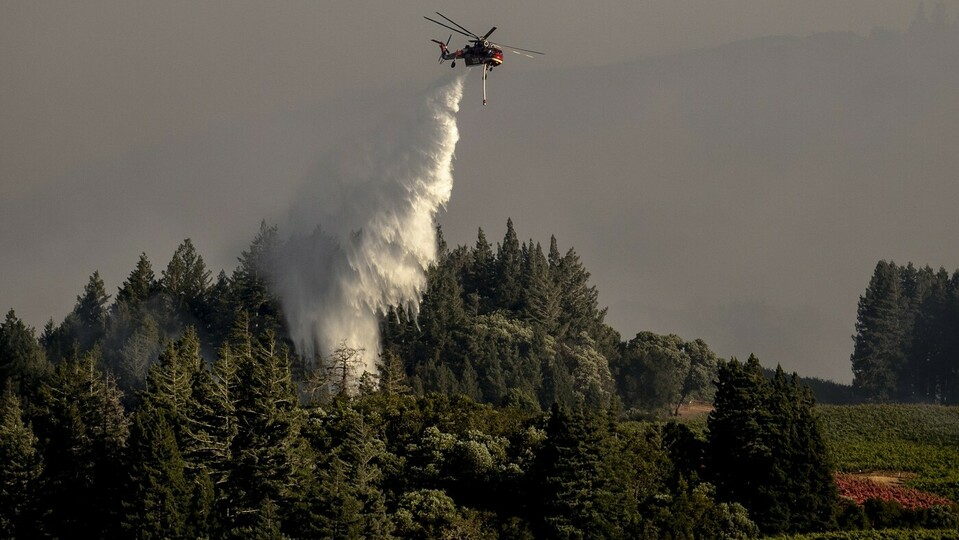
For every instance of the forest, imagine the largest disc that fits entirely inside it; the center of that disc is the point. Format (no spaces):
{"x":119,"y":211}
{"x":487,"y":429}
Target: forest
{"x":906,"y":346}
{"x":504,"y":406}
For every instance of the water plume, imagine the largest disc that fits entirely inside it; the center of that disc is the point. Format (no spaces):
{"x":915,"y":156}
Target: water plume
{"x":373,"y":236}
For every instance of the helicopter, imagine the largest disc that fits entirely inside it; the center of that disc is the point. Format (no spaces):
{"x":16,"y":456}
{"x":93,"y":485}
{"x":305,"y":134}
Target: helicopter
{"x":479,"y":50}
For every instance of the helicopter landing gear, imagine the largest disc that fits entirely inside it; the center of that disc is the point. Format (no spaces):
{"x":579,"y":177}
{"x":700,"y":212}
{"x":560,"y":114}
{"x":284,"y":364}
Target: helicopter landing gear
{"x":453,"y":65}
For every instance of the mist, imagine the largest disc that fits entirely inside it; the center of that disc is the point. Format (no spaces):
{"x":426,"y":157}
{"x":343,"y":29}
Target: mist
{"x":726,"y":170}
{"x":364,"y":228}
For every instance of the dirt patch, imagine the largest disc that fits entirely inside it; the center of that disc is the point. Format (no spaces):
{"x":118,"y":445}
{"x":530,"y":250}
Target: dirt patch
{"x":696,"y":408}
{"x":888,"y":478}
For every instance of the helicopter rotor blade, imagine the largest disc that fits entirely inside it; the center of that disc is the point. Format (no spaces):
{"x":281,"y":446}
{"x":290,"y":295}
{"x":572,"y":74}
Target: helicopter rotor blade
{"x":458,"y":25}
{"x":449,"y":27}
{"x":518,"y":49}
{"x":448,"y":40}
{"x":491,"y":30}
{"x":524,"y":54}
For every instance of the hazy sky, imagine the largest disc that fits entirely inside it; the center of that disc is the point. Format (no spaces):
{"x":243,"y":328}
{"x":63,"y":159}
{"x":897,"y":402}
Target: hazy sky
{"x":129,"y":126}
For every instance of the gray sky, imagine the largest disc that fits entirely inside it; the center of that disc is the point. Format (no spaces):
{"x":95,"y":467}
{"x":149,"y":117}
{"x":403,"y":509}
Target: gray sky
{"x":128,"y":126}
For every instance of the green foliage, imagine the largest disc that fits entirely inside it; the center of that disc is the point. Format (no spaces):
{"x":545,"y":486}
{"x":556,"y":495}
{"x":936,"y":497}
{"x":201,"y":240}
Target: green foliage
{"x":160,"y":496}
{"x":451,"y":439}
{"x":656,"y":372}
{"x":23,"y":362}
{"x":20,"y":469}
{"x":906,"y":348}
{"x":82,"y":429}
{"x":766,"y":450}
{"x":268,"y":453}
{"x":515,"y":326}
{"x":919,"y":440}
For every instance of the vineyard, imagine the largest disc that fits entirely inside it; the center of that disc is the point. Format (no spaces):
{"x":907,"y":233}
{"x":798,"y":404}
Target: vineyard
{"x":861,"y":489}
{"x":921,"y":440}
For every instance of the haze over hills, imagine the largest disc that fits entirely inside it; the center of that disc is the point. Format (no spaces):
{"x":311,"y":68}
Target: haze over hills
{"x":741,"y":194}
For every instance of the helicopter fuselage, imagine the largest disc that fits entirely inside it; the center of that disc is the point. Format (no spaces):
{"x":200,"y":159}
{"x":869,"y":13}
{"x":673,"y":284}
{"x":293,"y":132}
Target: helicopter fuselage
{"x":476,"y":56}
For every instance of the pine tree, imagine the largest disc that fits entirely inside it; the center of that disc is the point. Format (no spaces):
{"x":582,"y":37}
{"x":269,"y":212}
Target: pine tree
{"x":482,"y":273}
{"x":570,"y":486}
{"x":766,"y":451}
{"x":251,"y":282}
{"x":878,"y":357}
{"x":349,"y":502}
{"x":541,"y":296}
{"x":211,"y":426}
{"x":20,"y":469}
{"x":392,"y":380}
{"x":170,"y":381}
{"x":84,"y":429}
{"x":140,"y":285}
{"x":509,"y":268}
{"x":268,"y":452}
{"x":185,"y":284}
{"x":91,"y":314}
{"x":579,"y":301}
{"x":160,"y":494}
{"x":22,"y":362}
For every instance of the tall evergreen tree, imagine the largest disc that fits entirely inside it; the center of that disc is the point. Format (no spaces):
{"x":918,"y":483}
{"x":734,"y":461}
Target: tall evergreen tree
{"x":20,"y":468}
{"x":348,"y":501}
{"x":140,"y":285}
{"x":170,"y":381}
{"x":83,"y":429}
{"x":23,"y":362}
{"x":268,"y":451}
{"x":878,"y":358}
{"x":185,"y":283}
{"x":160,"y":495}
{"x":509,"y":268}
{"x":766,"y":451}
{"x":252,"y":280}
{"x":91,"y":314}
{"x":570,"y":487}
{"x":481,"y":279}
{"x":541,"y":295}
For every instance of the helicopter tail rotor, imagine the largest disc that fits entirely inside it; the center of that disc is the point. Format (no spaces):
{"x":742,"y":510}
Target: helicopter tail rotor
{"x":443,"y":47}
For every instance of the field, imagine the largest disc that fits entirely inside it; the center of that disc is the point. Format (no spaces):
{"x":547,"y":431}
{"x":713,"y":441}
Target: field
{"x":912,"y":446}
{"x":916,"y":446}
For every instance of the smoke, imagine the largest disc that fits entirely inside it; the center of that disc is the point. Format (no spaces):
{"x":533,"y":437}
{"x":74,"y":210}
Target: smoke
{"x":371,"y":209}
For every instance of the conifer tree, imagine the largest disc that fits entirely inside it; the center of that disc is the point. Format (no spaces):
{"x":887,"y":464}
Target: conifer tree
{"x":91,"y":314}
{"x":83,"y":429}
{"x":22,"y":362}
{"x":482,"y":273}
{"x":569,"y":485}
{"x":878,"y":358}
{"x":541,"y":296}
{"x":170,"y":381}
{"x":349,"y":502}
{"x":185,"y":284}
{"x":268,"y":452}
{"x":509,"y":268}
{"x":20,"y":468}
{"x":766,"y":451}
{"x":579,"y":301}
{"x":252,"y":279}
{"x":211,"y":425}
{"x":159,"y":500}
{"x":140,"y":285}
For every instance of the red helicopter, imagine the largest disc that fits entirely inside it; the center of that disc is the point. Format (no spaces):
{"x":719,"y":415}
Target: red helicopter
{"x":479,"y":51}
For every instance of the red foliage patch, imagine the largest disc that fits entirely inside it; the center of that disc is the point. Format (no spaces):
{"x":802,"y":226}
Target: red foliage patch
{"x":860,"y":490}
